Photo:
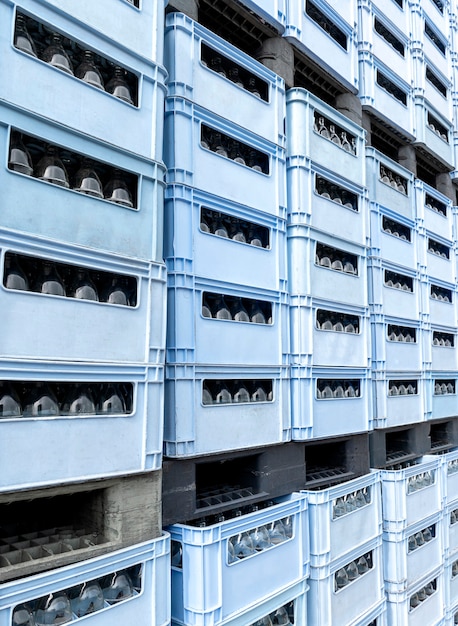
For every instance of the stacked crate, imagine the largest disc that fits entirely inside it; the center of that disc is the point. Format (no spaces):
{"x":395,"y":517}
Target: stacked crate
{"x":413,"y":541}
{"x":83,"y":299}
{"x":327,"y":262}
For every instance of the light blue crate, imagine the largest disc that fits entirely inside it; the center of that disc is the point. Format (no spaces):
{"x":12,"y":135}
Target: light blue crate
{"x":81,"y":106}
{"x":430,"y":136}
{"x":209,"y":588}
{"x":393,"y":238}
{"x":389,"y":352}
{"x":374,"y":617}
{"x":193,"y":428}
{"x":343,"y":517}
{"x":434,"y":210}
{"x":190,"y":163}
{"x":83,"y":330}
{"x":194,"y":338}
{"x":430,"y":611}
{"x":449,"y":473}
{"x":441,"y":312}
{"x":137,"y":30}
{"x":306,"y":139}
{"x":451,"y":580}
{"x":316,"y":417}
{"x":150,"y":606}
{"x":451,"y":525}
{"x":327,"y":343}
{"x":338,"y":59}
{"x":392,"y":408}
{"x":328,"y":606}
{"x":271,"y":11}
{"x":437,"y":256}
{"x":384,"y":193}
{"x":384,"y":92}
{"x":293,"y":599}
{"x":394,"y":290}
{"x":444,"y":402}
{"x":43,"y":209}
{"x":441,"y":349}
{"x":190,"y":77}
{"x":437,"y":96}
{"x":403,"y":504}
{"x":308,"y":277}
{"x":403,"y":566}
{"x":44,"y":440}
{"x":188,"y":248}
{"x":309,"y":201}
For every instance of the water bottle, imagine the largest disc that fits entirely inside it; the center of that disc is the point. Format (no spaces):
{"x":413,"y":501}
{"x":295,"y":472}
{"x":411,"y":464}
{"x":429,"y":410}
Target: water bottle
{"x":118,"y":588}
{"x":10,"y":404}
{"x":238,"y":311}
{"x":111,"y":401}
{"x":89,"y":600}
{"x":118,"y":86}
{"x":22,"y":40}
{"x":56,"y":56}
{"x":23,"y":616}
{"x":55,"y":609}
{"x":40,"y":401}
{"x":51,"y":169}
{"x":241,"y":394}
{"x":79,"y":401}
{"x":19,"y":159}
{"x":88,"y":72}
{"x":83,"y":288}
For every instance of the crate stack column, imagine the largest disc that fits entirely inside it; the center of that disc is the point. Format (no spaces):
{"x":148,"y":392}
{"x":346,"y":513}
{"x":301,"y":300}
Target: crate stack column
{"x":83,"y":312}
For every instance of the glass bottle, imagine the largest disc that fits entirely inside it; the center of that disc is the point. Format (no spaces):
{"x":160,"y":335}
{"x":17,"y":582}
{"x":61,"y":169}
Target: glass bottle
{"x":111,"y":401}
{"x":55,"y":609}
{"x":241,"y":394}
{"x":204,"y":223}
{"x":235,"y":152}
{"x":79,"y":401}
{"x":89,"y":600}
{"x":281,"y":617}
{"x":22,"y":40}
{"x":117,"y":191}
{"x":258,"y":393}
{"x":254,"y":237}
{"x":362,"y":565}
{"x":40,"y":401}
{"x":10,"y":404}
{"x":119,"y":588}
{"x":19,"y":158}
{"x":116,"y":292}
{"x":243,"y":546}
{"x":51,"y":169}
{"x":88,"y":72}
{"x":207,"y":397}
{"x":87,"y":181}
{"x":238,"y":311}
{"x":256,"y":314}
{"x":219,"y":228}
{"x":118,"y":87}
{"x":340,"y":579}
{"x":49,"y":282}
{"x":222,"y":395}
{"x":83,"y":288}
{"x":220,"y":310}
{"x":236,"y":231}
{"x":352,"y":571}
{"x":23,"y":616}
{"x":253,"y":161}
{"x":56,"y":56}
{"x":14,"y":276}
{"x":260,"y":538}
{"x":206,"y":309}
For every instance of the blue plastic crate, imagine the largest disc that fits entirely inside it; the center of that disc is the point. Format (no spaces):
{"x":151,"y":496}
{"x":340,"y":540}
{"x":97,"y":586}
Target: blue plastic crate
{"x":63,"y":214}
{"x":344,"y":517}
{"x":434,"y":133}
{"x":81,"y":106}
{"x":212,"y":585}
{"x":189,"y":50}
{"x":397,"y":344}
{"x":191,"y":249}
{"x":193,"y":337}
{"x":55,"y":327}
{"x":317,"y":412}
{"x":451,"y":580}
{"x":312,"y":133}
{"x":190,"y":163}
{"x":137,"y":29}
{"x":325,"y":267}
{"x":441,"y":349}
{"x":374,"y":617}
{"x":437,"y":256}
{"x":450,"y":525}
{"x":390,"y":185}
{"x":411,"y":554}
{"x":319,"y":198}
{"x":325,"y":333}
{"x":291,"y":602}
{"x":439,"y":301}
{"x":330,"y":604}
{"x":393,"y":237}
{"x":449,"y":471}
{"x":336,"y":53}
{"x":395,"y":291}
{"x":399,"y":397}
{"x":431,"y":608}
{"x":434,"y":210}
{"x":443,"y":390}
{"x":271,"y":11}
{"x":130,"y":437}
{"x":149,"y":605}
{"x":411,"y":494}
{"x":435,"y":83}
{"x":193,"y":428}
{"x":385,"y":93}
